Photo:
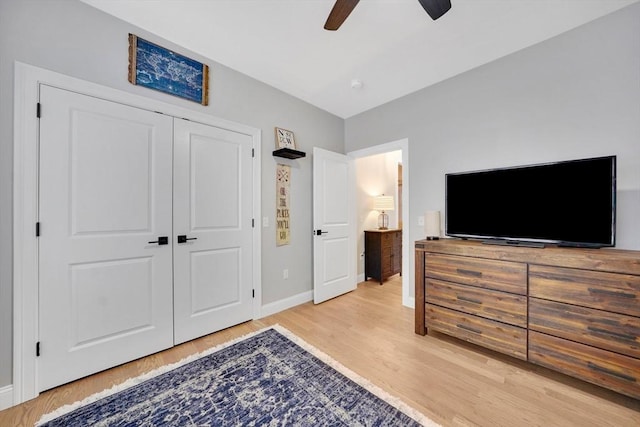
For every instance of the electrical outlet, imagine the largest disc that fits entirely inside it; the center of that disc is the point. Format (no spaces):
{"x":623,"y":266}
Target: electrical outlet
{"x":285,"y":273}
{"x":421,"y":220}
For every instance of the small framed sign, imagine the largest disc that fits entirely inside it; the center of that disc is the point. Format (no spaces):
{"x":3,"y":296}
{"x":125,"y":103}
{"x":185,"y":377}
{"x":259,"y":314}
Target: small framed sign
{"x":285,"y":139}
{"x":158,"y":68}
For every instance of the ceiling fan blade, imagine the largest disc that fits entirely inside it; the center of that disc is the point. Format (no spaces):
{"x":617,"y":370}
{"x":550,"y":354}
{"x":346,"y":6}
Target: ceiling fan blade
{"x":339,"y":13}
{"x":436,"y":8}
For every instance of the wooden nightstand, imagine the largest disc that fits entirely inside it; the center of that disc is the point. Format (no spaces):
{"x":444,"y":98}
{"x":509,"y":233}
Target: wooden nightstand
{"x":382,"y":254}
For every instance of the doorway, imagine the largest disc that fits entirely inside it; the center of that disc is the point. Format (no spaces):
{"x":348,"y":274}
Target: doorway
{"x":401,"y":214}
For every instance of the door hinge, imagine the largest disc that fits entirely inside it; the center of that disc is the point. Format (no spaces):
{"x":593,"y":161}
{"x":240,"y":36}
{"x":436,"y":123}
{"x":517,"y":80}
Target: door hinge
{"x":38,"y":349}
{"x":38,"y":110}
{"x":253,"y":152}
{"x":37,"y":229}
{"x":253,"y":293}
{"x":253,"y":222}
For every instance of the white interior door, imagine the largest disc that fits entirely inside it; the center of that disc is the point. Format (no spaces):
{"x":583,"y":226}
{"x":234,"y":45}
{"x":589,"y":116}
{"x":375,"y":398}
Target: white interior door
{"x":105,"y":289}
{"x":213,"y":212}
{"x":334,"y":244}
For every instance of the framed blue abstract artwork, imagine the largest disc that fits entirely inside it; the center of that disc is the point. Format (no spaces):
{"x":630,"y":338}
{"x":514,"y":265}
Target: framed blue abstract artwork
{"x":158,"y":68}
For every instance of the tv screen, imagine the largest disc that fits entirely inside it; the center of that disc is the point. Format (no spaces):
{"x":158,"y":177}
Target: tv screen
{"x":569,"y":203}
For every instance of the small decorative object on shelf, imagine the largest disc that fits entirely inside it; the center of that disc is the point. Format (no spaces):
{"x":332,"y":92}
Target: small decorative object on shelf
{"x":285,"y":139}
{"x":286,"y":145}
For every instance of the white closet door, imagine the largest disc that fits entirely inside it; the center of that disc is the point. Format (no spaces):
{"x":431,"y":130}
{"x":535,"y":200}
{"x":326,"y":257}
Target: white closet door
{"x":105,"y":197}
{"x":212,"y":208}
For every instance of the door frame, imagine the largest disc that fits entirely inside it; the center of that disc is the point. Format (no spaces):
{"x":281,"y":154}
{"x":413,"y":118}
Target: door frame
{"x":408,"y":298}
{"x":25,"y":203}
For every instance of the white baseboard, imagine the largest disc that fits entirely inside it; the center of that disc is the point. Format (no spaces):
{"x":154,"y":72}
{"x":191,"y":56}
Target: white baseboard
{"x":409,"y":302}
{"x":283,"y":304}
{"x":6,"y":397}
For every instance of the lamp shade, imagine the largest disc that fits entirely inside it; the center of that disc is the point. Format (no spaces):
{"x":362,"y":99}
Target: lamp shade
{"x":383,"y":203}
{"x":432,"y":224}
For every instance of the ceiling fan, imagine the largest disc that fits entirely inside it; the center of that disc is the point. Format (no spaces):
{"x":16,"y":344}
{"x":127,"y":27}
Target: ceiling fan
{"x":342,"y":9}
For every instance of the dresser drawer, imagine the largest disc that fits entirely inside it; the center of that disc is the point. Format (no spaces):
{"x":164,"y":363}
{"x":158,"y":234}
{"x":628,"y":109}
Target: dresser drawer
{"x":619,"y":293}
{"x":497,"y":336}
{"x":491,"y":274}
{"x":605,"y":368}
{"x":609,"y":331}
{"x":490,"y":304}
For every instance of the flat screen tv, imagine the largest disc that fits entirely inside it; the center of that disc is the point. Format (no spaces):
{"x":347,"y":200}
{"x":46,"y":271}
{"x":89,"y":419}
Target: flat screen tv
{"x":568,"y":203}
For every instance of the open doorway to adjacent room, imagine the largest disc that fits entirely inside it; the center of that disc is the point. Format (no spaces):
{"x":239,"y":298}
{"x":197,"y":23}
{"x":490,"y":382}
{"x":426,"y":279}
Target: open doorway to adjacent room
{"x":383,"y":170}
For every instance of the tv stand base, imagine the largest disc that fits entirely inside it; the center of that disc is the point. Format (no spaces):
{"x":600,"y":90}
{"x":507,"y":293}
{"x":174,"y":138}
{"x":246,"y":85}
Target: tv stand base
{"x":517,"y":243}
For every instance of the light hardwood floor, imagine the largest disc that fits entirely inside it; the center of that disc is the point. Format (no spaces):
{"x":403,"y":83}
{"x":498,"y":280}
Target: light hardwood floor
{"x":368,"y":330}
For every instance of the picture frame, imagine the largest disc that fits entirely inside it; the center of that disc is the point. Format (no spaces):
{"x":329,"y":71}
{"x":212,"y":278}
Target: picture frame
{"x":285,"y":139}
{"x":161,"y":69}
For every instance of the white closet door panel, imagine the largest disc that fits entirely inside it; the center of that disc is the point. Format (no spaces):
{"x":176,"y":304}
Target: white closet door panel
{"x":212,"y":208}
{"x":105,"y":192}
{"x":215,"y":184}
{"x":208,"y":295}
{"x":102,"y":150}
{"x":110,"y":297}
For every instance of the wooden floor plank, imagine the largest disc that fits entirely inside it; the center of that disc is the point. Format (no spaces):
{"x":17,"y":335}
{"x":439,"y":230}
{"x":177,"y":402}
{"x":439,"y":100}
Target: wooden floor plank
{"x":369,"y":331}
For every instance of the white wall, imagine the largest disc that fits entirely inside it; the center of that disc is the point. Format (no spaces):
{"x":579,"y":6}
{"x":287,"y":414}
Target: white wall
{"x":75,"y":39}
{"x":574,"y":96}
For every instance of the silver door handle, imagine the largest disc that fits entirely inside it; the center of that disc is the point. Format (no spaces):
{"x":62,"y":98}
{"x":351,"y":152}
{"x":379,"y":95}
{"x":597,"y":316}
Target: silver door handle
{"x":320,"y":232}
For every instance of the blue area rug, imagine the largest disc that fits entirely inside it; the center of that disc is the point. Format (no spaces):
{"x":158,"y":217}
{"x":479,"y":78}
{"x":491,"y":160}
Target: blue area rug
{"x":269,"y":378}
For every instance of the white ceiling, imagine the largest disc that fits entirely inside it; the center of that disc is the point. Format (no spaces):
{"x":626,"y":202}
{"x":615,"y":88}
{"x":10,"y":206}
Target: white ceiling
{"x":392,"y":46}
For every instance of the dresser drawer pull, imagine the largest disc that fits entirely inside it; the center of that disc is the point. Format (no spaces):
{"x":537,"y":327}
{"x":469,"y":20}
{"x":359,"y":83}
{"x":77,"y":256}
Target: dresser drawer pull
{"x":470,"y":329}
{"x":624,"y":337}
{"x":469,"y":272}
{"x":467,"y":299}
{"x":612,"y":293}
{"x":597,"y":368}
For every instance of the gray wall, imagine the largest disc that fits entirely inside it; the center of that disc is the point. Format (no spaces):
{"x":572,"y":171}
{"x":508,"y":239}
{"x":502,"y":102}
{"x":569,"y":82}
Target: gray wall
{"x":574,"y":96}
{"x":72,"y":38}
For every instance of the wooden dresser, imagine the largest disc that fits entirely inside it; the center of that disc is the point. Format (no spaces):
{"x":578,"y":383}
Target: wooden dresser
{"x":576,"y":311}
{"x":382,"y":254}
